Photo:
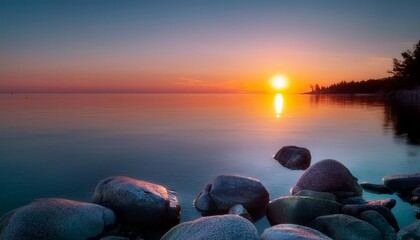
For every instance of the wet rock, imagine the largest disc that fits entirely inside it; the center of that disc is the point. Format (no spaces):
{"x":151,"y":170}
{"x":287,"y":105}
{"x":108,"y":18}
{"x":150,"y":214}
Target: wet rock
{"x":402,"y":182}
{"x":328,"y":176}
{"x":411,"y":232}
{"x":321,"y":195}
{"x":352,"y":200}
{"x":224,"y":227}
{"x":376,"y":188}
{"x":416,"y":192}
{"x":56,"y":218}
{"x":344,"y":227}
{"x":355,"y":211}
{"x":380,"y":223}
{"x":139,"y":203}
{"x":388,"y":203}
{"x":299,"y":210}
{"x":293,"y":157}
{"x":228,"y":190}
{"x":292,"y":232}
{"x":239,"y":210}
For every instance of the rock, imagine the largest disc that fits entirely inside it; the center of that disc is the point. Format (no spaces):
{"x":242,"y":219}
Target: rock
{"x":224,"y":227}
{"x":56,"y":218}
{"x":239,"y":210}
{"x":321,"y":195}
{"x":292,"y":232}
{"x":228,"y":190}
{"x":328,"y":176}
{"x":299,"y":210}
{"x":380,"y":223}
{"x":355,"y":211}
{"x":376,"y":188}
{"x":344,"y":227}
{"x":139,"y":203}
{"x":402,"y":182}
{"x":411,"y":232}
{"x":293,"y":157}
{"x":388,"y":203}
{"x":416,"y":192}
{"x":352,"y":200}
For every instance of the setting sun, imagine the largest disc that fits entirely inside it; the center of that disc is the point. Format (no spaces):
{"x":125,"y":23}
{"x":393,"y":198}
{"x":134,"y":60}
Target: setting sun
{"x":279,"y":82}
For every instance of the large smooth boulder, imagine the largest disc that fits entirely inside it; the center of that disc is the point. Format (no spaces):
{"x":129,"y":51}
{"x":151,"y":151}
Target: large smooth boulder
{"x":355,"y":210}
{"x":299,"y":210}
{"x":411,"y":232}
{"x":292,"y":232}
{"x":344,"y":227}
{"x":224,"y":227}
{"x":228,"y":190}
{"x":328,"y":176}
{"x":139,"y":203}
{"x":380,"y":223}
{"x":56,"y":219}
{"x":293,"y":157}
{"x":376,"y":188}
{"x":402,"y":182}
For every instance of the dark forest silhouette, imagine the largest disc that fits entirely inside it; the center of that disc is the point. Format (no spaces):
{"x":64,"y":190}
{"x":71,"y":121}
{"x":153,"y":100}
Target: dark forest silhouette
{"x":405,"y":76}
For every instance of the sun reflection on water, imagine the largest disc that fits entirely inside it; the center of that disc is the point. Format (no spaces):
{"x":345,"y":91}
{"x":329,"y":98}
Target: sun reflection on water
{"x":278,"y":104}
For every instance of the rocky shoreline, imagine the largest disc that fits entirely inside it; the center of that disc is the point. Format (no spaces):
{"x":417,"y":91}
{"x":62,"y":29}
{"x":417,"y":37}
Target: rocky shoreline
{"x":325,"y":203}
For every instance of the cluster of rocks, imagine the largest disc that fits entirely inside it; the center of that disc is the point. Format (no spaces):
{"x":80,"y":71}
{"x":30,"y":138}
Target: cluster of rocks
{"x":325,"y":203}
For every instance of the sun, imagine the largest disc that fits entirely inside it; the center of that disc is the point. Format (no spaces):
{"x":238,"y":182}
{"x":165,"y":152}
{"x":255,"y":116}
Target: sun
{"x":279,"y":82}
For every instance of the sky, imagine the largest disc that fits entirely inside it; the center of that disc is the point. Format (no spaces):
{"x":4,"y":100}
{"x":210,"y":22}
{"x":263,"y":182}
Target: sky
{"x":199,"y":46}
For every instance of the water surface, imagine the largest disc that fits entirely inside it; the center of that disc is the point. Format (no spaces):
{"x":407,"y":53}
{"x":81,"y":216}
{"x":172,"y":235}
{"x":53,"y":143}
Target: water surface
{"x":63,"y":145}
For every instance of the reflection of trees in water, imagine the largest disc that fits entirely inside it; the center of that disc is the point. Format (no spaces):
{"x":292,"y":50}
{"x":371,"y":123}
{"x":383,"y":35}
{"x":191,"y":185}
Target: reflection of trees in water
{"x":405,"y":121}
{"x":403,"y":118}
{"x":347,"y":100}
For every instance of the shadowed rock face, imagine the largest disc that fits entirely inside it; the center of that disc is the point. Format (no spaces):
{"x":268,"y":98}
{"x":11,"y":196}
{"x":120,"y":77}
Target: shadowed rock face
{"x":410,"y":232}
{"x":224,"y":227}
{"x":328,"y":176}
{"x":228,"y":190}
{"x":293,"y":157}
{"x":139,"y":203}
{"x":55,"y":218}
{"x":380,"y":223}
{"x":344,"y":227}
{"x":402,"y":182}
{"x":292,"y":232}
{"x":299,"y":210}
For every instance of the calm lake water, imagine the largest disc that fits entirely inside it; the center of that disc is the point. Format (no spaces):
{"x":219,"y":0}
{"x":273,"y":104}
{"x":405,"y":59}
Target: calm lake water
{"x":63,"y":145}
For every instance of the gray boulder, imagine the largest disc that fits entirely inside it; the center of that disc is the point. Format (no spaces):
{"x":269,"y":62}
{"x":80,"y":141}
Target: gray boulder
{"x":239,"y":210}
{"x":328,"y":176}
{"x":55,"y":218}
{"x":322,"y":195}
{"x":299,"y":210}
{"x":380,"y":223}
{"x":139,"y":203}
{"x":402,"y":182}
{"x":352,"y":200}
{"x":292,"y":232}
{"x":228,"y":190}
{"x":344,"y":227}
{"x":411,"y":232}
{"x":376,"y":188}
{"x":355,"y":211}
{"x":293,"y":157}
{"x":224,"y":227}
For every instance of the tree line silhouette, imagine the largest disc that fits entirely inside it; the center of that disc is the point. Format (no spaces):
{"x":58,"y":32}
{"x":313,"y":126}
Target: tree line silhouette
{"x":405,"y":75}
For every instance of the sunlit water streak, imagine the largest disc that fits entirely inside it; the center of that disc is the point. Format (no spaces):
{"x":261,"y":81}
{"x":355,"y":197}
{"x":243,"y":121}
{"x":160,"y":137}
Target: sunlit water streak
{"x":63,"y":145}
